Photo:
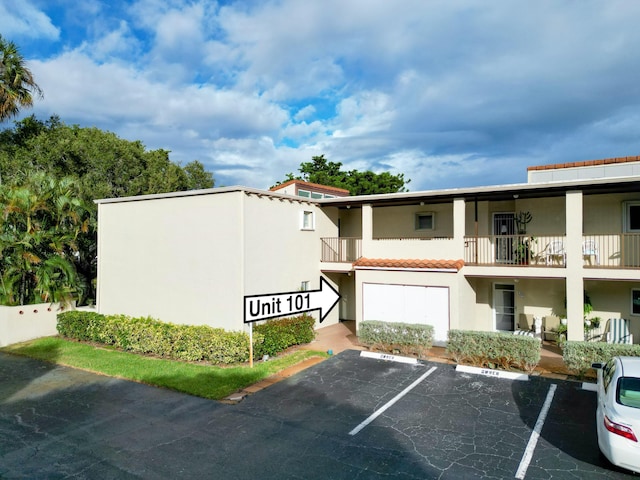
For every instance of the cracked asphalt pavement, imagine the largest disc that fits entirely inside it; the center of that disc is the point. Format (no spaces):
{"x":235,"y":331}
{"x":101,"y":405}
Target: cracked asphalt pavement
{"x":58,"y":422}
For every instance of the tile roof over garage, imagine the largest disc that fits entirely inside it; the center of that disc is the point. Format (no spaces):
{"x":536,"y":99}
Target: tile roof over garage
{"x":409,"y":264}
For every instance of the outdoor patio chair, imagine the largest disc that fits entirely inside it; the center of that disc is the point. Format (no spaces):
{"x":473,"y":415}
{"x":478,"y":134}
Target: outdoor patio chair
{"x":525,"y":322}
{"x":617,"y":331}
{"x":550,"y":324}
{"x":556,"y":252}
{"x":590,"y":249}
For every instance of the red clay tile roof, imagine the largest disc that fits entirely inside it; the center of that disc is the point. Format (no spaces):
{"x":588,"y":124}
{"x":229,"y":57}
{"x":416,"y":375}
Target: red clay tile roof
{"x":586,"y":163}
{"x":409,"y":263}
{"x":317,"y":186}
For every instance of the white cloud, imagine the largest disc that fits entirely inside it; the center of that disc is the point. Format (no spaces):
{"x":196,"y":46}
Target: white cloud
{"x":450,"y":93}
{"x":22,"y":19}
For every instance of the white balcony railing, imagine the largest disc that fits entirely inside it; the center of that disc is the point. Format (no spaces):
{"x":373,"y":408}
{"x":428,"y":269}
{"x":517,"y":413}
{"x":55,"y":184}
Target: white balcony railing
{"x":517,"y":250}
{"x":598,"y":250}
{"x":341,"y":249}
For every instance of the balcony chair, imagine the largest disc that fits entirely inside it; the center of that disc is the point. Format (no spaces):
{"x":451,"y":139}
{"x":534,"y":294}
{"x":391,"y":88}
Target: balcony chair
{"x":526,"y":322}
{"x":555,"y":252}
{"x":550,"y":324}
{"x":590,"y":249}
{"x":617,"y":331}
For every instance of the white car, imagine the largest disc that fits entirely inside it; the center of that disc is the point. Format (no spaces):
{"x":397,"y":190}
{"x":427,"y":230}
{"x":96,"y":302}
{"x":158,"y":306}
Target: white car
{"x":618,"y":412}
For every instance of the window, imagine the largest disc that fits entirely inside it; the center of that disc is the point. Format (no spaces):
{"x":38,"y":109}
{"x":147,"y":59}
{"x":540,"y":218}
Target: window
{"x":607,"y":373}
{"x":631,"y":217}
{"x":308,"y":221}
{"x":316,"y":195}
{"x":425,"y":221}
{"x":629,"y":391}
{"x":304,"y":193}
{"x":635,"y":301}
{"x":304,"y":285}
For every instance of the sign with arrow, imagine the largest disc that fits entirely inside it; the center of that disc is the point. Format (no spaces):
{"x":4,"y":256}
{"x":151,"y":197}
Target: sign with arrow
{"x":262,"y":307}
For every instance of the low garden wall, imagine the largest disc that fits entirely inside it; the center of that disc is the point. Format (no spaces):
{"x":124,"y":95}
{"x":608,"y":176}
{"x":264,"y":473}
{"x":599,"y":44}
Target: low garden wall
{"x":26,"y":322}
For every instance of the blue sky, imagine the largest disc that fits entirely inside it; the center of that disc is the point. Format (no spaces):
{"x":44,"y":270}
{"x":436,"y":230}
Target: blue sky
{"x":450,"y":93}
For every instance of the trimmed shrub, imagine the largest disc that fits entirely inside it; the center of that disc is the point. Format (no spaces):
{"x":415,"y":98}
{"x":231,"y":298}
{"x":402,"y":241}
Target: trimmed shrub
{"x":494,"y":349}
{"x":80,"y":325}
{"x":283,"y":333}
{"x":578,"y":356}
{"x":406,"y":338}
{"x":146,"y":335}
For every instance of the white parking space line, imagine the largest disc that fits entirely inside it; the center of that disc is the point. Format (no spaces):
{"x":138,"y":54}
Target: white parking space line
{"x":591,"y":387}
{"x":533,"y":440}
{"x":379,"y":412}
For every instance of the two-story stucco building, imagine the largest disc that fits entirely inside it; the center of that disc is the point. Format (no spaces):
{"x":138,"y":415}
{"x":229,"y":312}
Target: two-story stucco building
{"x":468,"y":258}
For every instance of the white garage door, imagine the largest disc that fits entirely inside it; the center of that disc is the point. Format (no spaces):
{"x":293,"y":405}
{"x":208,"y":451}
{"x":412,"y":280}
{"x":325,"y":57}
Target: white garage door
{"x":409,"y":304}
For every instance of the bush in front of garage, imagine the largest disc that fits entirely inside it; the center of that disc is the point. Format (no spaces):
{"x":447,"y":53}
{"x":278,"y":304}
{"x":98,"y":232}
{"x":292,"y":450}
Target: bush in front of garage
{"x":405,"y":338}
{"x":146,"y":335}
{"x":283,"y":333}
{"x":578,"y":356}
{"x":494,"y":349}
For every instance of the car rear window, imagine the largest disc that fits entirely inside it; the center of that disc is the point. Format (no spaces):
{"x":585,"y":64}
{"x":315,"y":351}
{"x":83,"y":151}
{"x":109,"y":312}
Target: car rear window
{"x":629,"y":391}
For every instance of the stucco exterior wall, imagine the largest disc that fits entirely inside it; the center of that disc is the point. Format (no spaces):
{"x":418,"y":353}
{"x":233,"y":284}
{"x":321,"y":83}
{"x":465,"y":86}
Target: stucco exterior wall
{"x":175,"y":259}
{"x":613,"y":300}
{"x":26,"y":322}
{"x":351,"y":222}
{"x":278,"y":254}
{"x":400,"y":221}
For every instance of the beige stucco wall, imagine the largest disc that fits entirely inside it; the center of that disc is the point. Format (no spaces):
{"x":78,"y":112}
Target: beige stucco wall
{"x":278,"y":255}
{"x":613,"y":300}
{"x":400,"y":221}
{"x":351,"y":222}
{"x":175,"y":259}
{"x":192,"y":259}
{"x":26,"y":322}
{"x":604,"y":213}
{"x":536,"y":296}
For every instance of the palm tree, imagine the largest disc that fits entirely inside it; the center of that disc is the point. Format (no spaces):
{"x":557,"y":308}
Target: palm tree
{"x":16,"y":81}
{"x":39,"y":226}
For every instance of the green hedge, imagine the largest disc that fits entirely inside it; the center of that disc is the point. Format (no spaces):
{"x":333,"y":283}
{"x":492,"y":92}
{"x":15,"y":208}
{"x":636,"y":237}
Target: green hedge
{"x":406,"y":338}
{"x":494,"y":349}
{"x":149,"y":336}
{"x":185,"y":342}
{"x":283,"y":333}
{"x":578,"y":356}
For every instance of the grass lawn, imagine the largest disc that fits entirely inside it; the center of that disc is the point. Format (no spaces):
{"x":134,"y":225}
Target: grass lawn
{"x":195,"y":379}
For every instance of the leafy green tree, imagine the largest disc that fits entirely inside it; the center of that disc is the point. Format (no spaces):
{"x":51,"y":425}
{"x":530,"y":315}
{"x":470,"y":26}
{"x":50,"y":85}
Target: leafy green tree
{"x":39,"y":228}
{"x":16,"y":81}
{"x":197,"y":177}
{"x":320,"y":170}
{"x":101,"y":164}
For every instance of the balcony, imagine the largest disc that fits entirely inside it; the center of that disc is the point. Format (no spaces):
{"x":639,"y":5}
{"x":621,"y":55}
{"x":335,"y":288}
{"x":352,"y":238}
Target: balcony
{"x":518,"y":250}
{"x":341,"y":249}
{"x":612,"y":250}
{"x":598,"y":251}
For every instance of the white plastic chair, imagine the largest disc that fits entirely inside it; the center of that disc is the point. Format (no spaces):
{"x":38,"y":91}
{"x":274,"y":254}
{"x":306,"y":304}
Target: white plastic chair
{"x":590,"y":249}
{"x":556,"y":251}
{"x":617,"y":331}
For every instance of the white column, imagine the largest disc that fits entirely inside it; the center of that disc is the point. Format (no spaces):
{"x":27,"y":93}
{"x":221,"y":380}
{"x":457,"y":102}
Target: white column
{"x":367,"y":229}
{"x":574,"y":273}
{"x":459,"y":222}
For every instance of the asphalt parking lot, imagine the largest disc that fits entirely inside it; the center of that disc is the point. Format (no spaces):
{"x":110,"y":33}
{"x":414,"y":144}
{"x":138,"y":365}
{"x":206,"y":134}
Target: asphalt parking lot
{"x":348,"y":417}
